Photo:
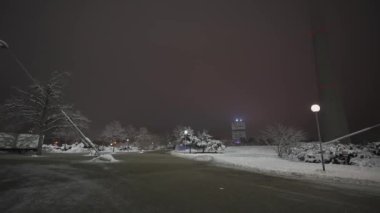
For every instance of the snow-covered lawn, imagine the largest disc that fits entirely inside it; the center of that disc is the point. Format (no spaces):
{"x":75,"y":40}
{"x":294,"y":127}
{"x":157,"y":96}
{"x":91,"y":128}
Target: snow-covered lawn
{"x":263,"y":159}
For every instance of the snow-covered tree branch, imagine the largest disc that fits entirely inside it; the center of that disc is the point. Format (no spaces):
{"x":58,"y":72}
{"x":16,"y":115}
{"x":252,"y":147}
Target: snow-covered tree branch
{"x":37,"y":109}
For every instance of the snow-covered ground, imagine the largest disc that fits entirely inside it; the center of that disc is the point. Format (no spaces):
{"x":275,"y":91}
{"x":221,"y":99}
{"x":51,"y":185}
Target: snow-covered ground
{"x":80,"y":148}
{"x":104,"y":158}
{"x":263,"y":159}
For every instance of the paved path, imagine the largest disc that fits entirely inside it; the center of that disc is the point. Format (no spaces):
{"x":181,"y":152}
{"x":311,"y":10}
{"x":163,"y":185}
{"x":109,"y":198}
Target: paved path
{"x":154,"y":182}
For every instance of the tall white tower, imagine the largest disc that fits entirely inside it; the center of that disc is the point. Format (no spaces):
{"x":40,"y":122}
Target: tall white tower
{"x":238,"y":131}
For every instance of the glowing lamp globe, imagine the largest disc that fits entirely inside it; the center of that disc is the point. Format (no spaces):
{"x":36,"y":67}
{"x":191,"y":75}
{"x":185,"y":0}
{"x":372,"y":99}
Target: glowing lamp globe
{"x":315,"y":108}
{"x":186,"y":132}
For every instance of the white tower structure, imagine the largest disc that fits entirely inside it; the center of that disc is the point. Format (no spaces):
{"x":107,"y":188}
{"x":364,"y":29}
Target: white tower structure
{"x":238,"y":131}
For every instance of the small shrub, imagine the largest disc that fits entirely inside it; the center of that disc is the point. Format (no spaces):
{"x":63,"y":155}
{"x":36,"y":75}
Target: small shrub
{"x":283,"y":137}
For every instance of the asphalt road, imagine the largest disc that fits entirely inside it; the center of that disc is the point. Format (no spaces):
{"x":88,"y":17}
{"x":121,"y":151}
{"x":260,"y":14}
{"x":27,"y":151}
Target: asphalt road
{"x":154,"y":182}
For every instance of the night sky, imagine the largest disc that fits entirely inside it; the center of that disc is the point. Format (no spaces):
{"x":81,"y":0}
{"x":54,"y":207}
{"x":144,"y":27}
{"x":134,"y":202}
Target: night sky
{"x":200,"y":63}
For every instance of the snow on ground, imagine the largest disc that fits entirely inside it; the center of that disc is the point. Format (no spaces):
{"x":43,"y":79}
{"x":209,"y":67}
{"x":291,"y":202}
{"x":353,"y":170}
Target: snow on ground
{"x":263,"y":159}
{"x":104,"y":158}
{"x":80,"y":148}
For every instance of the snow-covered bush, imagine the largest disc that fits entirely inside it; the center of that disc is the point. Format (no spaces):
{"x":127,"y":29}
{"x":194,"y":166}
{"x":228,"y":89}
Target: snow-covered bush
{"x":374,"y":148}
{"x":336,"y":153}
{"x":184,"y":137}
{"x":283,"y":137}
{"x":65,"y":148}
{"x":50,"y":148}
{"x":215,"y":146}
{"x":208,"y":144}
{"x":204,"y":140}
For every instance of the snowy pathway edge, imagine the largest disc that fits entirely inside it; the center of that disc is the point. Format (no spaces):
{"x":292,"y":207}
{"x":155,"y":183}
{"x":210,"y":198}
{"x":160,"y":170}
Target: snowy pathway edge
{"x":350,"y":174}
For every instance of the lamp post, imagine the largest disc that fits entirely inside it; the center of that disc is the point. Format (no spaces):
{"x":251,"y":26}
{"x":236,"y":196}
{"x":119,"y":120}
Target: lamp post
{"x":186,"y":132}
{"x":316,"y":108}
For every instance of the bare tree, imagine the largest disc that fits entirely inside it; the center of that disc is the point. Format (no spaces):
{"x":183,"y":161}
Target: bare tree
{"x":38,"y":108}
{"x":114,"y":132}
{"x":143,"y":138}
{"x":132,"y":133}
{"x":283,"y":137}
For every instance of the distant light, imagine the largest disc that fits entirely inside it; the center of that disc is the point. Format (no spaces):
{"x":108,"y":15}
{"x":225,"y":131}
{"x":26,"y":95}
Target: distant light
{"x":186,"y":132}
{"x":241,"y":120}
{"x":315,"y":108}
{"x":236,"y":120}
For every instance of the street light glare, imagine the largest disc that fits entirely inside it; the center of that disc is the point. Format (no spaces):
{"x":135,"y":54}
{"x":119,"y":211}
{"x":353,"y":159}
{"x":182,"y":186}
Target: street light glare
{"x":186,"y":132}
{"x":315,"y":108}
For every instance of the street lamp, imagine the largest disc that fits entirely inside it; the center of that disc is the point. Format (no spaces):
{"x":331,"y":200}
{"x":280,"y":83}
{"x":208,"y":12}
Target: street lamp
{"x":316,"y":108}
{"x":186,"y":132}
{"x":113,"y":146}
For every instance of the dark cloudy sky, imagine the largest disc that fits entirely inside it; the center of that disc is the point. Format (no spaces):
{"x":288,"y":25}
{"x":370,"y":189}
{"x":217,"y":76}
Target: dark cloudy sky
{"x":200,"y":63}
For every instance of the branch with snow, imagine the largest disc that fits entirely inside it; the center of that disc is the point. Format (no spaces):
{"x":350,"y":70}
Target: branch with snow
{"x":38,"y":108}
